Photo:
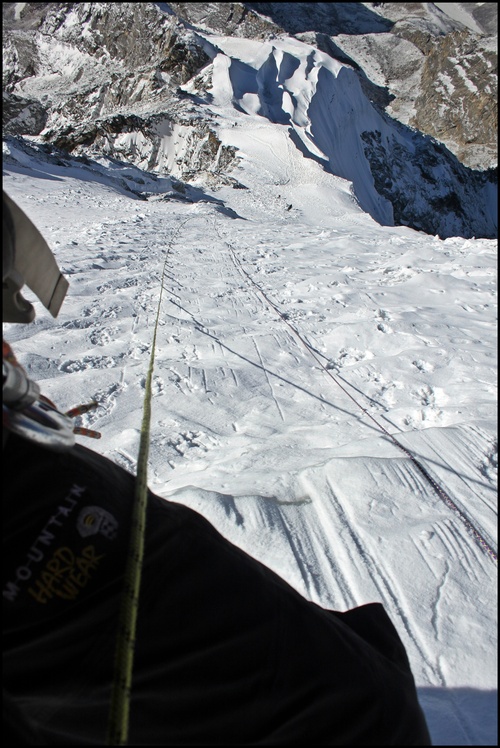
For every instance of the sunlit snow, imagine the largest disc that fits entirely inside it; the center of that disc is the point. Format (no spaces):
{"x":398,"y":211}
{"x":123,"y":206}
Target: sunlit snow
{"x":296,"y":334}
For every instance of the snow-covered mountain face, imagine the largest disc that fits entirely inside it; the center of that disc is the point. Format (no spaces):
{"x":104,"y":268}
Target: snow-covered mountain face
{"x":182,"y":90}
{"x":430,"y":65}
{"x":296,"y":336}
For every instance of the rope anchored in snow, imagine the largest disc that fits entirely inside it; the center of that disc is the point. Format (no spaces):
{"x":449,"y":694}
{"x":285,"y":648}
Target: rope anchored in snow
{"x":442,"y":494}
{"x":487,"y":548}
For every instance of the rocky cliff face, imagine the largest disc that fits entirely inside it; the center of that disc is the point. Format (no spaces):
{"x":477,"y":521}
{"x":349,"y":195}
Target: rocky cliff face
{"x":457,"y":103}
{"x":87,"y":74}
{"x":141,"y":82}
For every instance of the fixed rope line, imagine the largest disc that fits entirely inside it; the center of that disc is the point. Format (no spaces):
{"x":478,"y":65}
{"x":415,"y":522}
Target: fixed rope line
{"x":442,"y":494}
{"x":119,"y":713}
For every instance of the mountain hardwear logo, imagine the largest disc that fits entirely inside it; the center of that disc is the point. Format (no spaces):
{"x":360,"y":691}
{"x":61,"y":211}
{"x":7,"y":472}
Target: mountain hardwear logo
{"x":93,"y":520}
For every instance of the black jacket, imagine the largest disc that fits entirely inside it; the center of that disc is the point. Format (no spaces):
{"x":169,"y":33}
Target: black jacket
{"x":227,"y":653}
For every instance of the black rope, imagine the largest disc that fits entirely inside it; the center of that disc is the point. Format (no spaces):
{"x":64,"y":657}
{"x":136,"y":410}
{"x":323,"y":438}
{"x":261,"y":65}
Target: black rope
{"x":443,"y":495}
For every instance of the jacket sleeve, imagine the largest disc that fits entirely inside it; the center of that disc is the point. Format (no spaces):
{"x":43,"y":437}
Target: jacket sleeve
{"x":16,"y":726}
{"x":226,"y":653}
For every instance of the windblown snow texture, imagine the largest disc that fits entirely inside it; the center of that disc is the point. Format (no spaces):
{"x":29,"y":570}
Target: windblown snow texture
{"x":240,"y":182}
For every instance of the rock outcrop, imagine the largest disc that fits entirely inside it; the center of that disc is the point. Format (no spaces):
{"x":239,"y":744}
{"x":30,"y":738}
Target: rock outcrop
{"x":96,"y":78}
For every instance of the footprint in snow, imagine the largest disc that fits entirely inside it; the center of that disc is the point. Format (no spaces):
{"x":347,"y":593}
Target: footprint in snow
{"x":100,"y":337}
{"x":88,"y":362}
{"x":78,"y":324}
{"x":383,"y":316}
{"x":348,"y":357}
{"x":384,"y":328}
{"x":423,"y":366}
{"x":106,"y":400}
{"x":157,"y":385}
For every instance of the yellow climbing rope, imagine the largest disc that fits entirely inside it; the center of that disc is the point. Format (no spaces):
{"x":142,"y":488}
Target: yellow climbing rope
{"x":124,"y":656}
{"x":118,"y":722}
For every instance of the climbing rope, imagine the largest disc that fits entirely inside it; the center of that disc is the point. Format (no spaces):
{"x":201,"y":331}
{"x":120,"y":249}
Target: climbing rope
{"x":441,"y":493}
{"x":119,"y":714}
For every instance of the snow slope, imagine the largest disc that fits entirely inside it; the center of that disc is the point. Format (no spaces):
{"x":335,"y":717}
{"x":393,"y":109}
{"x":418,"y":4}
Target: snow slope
{"x":325,"y":386}
{"x":251,"y":431}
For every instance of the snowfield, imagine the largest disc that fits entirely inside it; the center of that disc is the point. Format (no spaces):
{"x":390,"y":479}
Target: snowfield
{"x":277,"y":448}
{"x":324,"y":389}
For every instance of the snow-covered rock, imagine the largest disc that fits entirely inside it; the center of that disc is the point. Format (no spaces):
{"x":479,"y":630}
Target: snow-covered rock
{"x":155,"y":85}
{"x":436,"y":62}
